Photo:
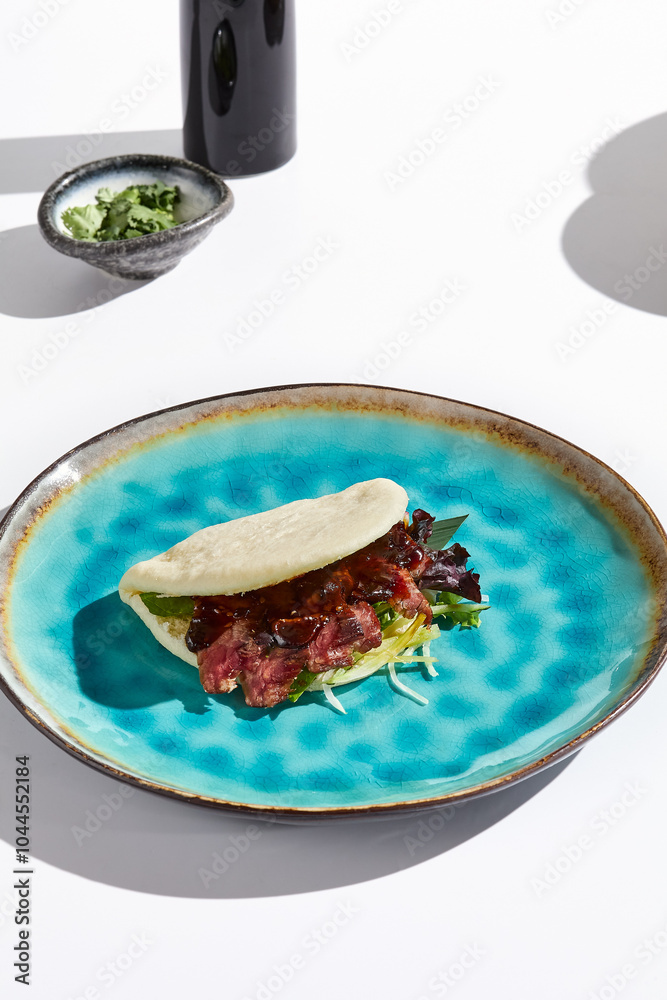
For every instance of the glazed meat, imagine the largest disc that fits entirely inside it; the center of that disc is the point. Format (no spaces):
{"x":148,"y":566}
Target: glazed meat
{"x":265,"y":638}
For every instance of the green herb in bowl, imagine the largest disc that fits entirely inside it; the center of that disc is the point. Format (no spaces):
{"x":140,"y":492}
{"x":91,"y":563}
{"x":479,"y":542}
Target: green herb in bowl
{"x":137,"y":211}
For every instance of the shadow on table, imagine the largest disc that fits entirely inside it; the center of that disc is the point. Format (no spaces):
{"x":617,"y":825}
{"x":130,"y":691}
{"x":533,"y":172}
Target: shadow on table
{"x":35,"y":280}
{"x":82,"y":823}
{"x":34,"y":162}
{"x":617,"y":240}
{"x":128,"y":672}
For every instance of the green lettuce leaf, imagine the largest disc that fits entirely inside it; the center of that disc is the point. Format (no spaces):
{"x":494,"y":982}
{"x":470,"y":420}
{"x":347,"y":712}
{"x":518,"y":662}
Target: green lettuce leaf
{"x":301,"y":684}
{"x":451,"y":610}
{"x":444,"y":531}
{"x":169,"y":607}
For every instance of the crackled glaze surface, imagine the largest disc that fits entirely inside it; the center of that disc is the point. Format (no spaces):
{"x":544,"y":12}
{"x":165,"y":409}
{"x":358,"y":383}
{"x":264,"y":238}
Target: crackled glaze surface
{"x":571,"y":633}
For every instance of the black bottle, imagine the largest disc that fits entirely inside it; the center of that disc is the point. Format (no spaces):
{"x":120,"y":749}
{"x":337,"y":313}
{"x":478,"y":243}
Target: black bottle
{"x":238,"y":61}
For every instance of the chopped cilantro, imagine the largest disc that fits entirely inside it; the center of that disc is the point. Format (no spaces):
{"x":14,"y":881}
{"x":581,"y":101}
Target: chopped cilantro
{"x":83,"y":223}
{"x":136,"y":211}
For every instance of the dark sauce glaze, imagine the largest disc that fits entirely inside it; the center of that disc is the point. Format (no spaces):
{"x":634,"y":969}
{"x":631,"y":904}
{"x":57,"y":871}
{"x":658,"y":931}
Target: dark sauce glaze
{"x":291,"y":614}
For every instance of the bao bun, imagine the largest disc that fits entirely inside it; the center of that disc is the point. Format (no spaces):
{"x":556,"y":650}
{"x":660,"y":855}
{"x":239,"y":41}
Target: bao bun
{"x":261,"y":550}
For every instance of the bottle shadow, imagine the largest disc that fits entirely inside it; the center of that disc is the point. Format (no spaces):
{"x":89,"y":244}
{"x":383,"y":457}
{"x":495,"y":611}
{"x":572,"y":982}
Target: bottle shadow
{"x":93,"y":825}
{"x":32,"y":163}
{"x":614,"y":240}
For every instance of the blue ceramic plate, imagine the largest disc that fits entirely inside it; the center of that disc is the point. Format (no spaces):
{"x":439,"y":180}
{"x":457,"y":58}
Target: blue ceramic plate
{"x":574,"y":563}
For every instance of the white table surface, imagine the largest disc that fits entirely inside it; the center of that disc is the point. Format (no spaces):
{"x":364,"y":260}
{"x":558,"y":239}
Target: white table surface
{"x":490,"y":905}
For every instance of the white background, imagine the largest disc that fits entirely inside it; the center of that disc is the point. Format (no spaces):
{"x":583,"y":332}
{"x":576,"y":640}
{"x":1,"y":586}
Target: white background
{"x":512,"y":340}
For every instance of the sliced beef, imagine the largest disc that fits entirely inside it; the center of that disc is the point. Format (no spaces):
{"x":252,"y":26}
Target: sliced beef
{"x":408,"y":599}
{"x":317,"y":621}
{"x":241,"y":655}
{"x":266,"y":680}
{"x":370,"y":626}
{"x":221,"y":663}
{"x":355,"y":629}
{"x":266,"y":671}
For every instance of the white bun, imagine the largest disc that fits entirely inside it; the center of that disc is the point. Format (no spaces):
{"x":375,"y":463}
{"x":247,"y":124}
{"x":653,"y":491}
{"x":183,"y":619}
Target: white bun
{"x":263,"y":549}
{"x":260,"y":550}
{"x":169,"y":632}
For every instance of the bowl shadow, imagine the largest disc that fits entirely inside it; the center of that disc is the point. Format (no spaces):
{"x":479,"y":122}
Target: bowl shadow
{"x":614,"y":241}
{"x":37,"y":282}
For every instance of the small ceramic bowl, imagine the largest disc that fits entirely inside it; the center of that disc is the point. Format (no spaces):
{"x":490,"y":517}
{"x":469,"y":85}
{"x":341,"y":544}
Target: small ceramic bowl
{"x":205,"y":201}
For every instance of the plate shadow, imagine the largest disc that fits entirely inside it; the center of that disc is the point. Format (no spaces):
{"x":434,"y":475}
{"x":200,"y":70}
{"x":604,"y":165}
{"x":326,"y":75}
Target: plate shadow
{"x":87,"y":823}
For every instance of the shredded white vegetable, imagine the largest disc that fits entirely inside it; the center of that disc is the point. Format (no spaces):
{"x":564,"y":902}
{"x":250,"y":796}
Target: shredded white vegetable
{"x":428,"y":663}
{"x":414,"y":659}
{"x":403,"y":687}
{"x":400,"y":642}
{"x":332,"y":699}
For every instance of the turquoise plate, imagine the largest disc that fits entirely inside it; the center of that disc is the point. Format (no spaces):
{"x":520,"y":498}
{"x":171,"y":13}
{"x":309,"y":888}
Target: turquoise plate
{"x":574,"y":563}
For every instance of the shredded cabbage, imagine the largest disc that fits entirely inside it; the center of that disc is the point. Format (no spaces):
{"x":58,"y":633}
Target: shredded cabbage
{"x":333,"y":700}
{"x":401,"y":638}
{"x":429,"y":660}
{"x":404,"y":687}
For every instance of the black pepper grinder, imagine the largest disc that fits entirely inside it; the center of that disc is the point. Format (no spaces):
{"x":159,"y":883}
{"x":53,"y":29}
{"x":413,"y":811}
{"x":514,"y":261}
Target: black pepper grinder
{"x":238,"y":61}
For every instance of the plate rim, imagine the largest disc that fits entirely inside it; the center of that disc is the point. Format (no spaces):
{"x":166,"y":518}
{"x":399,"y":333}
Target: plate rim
{"x":368,"y":810}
